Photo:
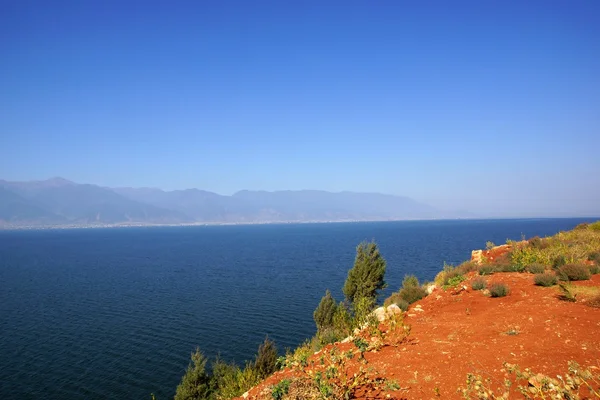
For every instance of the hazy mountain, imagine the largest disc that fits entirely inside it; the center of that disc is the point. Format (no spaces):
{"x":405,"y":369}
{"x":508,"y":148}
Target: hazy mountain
{"x":62,"y":201}
{"x":15,"y":209}
{"x":58,"y":201}
{"x":283,"y":206}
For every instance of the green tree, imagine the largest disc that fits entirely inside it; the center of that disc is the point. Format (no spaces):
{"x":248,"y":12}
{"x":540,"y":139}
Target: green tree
{"x":266,"y":358}
{"x":324,"y":313}
{"x":366,"y":277}
{"x":195,"y":384}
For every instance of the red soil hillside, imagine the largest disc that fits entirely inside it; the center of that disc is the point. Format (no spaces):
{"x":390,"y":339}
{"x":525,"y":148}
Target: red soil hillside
{"x":459,"y":331}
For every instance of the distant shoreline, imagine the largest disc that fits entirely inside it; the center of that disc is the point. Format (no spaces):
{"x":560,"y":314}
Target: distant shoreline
{"x":196,"y":224}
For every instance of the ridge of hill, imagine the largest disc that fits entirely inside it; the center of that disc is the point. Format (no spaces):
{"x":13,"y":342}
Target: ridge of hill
{"x":60,"y":202}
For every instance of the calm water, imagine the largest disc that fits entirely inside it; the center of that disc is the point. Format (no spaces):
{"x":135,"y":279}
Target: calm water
{"x":115,"y":313}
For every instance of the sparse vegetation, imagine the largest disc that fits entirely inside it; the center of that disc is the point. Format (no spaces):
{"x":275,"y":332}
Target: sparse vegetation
{"x":498,"y":290}
{"x":571,"y":385}
{"x":536,"y":268}
{"x":478,"y":284}
{"x":573,"y":272}
{"x":395,"y":298}
{"x":545,"y":279}
{"x":487,"y":270}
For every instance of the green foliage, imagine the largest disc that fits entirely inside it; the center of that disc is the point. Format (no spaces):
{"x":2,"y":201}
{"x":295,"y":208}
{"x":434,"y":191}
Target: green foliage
{"x":594,"y":256}
{"x":573,"y":272}
{"x":512,"y":268}
{"x":478,"y":284}
{"x":342,"y":320}
{"x":558,"y":261}
{"x":489,"y":245}
{"x":487,"y":270}
{"x":455,"y":280}
{"x":536,"y":268}
{"x":499,"y":290}
{"x":229,"y":380}
{"x":412,"y":294}
{"x":594,"y":269}
{"x":545,"y":279}
{"x":324,"y":313}
{"x":566,"y":294}
{"x":366,"y":277}
{"x":410,"y":281}
{"x":281,"y":389}
{"x":449,"y":272}
{"x":195,"y":384}
{"x":266,"y":358}
{"x":362,"y":307}
{"x":595,"y":226}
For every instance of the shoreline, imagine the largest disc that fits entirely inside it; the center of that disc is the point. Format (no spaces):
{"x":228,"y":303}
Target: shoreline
{"x":243,"y":223}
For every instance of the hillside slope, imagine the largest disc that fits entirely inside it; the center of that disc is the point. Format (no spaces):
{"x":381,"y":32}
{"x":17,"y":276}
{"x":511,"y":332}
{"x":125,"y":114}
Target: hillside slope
{"x":458,"y":331}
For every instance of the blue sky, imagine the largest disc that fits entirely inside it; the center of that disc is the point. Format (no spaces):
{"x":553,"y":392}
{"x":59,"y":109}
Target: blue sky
{"x":489,"y":106}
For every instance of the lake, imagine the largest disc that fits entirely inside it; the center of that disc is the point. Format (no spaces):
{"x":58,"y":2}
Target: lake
{"x":115,"y":313}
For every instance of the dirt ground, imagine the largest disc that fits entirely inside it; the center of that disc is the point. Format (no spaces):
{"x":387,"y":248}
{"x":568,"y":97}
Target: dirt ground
{"x":457,"y":331}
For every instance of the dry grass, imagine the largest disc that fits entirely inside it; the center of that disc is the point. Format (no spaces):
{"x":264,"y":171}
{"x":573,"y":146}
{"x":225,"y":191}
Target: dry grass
{"x":575,"y":246}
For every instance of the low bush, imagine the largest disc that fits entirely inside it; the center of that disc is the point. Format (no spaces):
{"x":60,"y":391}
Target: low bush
{"x":595,"y":226}
{"x":537,"y":242}
{"x":594,"y":269}
{"x":487,"y":270}
{"x":478,"y":284}
{"x":559,"y":261}
{"x":536,"y":268}
{"x":595,"y":257}
{"x":280,"y":389}
{"x":573,"y":272}
{"x":545,"y":279}
{"x":511,"y":268}
{"x":410,"y":281}
{"x":455,"y":280}
{"x":411,"y":294}
{"x":499,"y":290}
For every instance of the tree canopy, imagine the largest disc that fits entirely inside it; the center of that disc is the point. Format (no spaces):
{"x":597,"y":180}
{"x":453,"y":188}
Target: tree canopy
{"x":366,"y":277}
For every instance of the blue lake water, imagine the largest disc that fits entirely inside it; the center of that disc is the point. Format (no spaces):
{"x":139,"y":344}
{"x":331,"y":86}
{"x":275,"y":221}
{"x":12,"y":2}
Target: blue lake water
{"x":115,"y":313}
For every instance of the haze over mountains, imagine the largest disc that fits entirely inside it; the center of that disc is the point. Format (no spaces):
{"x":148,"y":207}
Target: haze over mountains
{"x":59,"y":202}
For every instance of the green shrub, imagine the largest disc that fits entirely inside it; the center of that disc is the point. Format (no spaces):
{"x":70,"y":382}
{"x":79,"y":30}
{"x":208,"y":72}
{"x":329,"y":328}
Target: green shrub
{"x":266,"y":358}
{"x":487,"y":270}
{"x":595,"y":226}
{"x":478,"y":284}
{"x":499,"y":290}
{"x":536,"y":242}
{"x":281,"y":389}
{"x":323,"y":315}
{"x":412,"y":293}
{"x":594,"y":269}
{"x":195,"y":384}
{"x":559,"y":261}
{"x":455,"y":280}
{"x":512,"y":268}
{"x":410,"y":281}
{"x":573,"y":272}
{"x":536,"y":268}
{"x":595,"y":257}
{"x":366,"y":277}
{"x":545,"y":279}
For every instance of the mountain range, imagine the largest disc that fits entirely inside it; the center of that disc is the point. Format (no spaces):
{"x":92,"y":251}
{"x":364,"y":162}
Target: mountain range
{"x":60,"y":202}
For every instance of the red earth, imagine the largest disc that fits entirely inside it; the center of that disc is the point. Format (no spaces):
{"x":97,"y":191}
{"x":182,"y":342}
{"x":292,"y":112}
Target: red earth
{"x":459,"y":331}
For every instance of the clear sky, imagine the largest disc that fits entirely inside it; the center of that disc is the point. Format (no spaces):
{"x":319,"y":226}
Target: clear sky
{"x":479,"y":105}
